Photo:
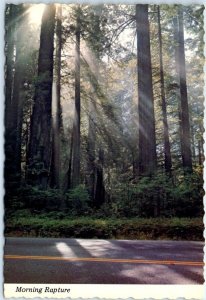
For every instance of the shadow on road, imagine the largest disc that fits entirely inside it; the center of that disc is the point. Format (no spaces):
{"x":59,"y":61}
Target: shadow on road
{"x":89,"y":272}
{"x":134,"y":274}
{"x":71,"y":248}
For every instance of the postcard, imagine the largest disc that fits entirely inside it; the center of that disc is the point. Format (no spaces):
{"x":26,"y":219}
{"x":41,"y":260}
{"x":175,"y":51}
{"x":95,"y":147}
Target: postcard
{"x":104,"y":150}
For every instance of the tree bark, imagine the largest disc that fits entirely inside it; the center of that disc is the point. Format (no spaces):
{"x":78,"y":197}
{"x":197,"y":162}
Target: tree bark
{"x":40,"y":130}
{"x":91,"y":145}
{"x":184,"y":108}
{"x":193,"y":145}
{"x":14,"y":98}
{"x":99,"y":190}
{"x":76,"y":125}
{"x":10,"y":22}
{"x":91,"y":140}
{"x":201,"y":146}
{"x":57,"y":114}
{"x":167,"y":152}
{"x":147,"y":140}
{"x":94,"y":178}
{"x":69,"y":173}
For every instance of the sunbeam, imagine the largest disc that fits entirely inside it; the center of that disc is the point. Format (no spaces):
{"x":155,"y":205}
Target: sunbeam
{"x":35,"y":13}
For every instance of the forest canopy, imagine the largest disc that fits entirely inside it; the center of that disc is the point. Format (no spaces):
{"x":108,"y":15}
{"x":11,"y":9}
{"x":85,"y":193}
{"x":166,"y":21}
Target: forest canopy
{"x":104,"y":110}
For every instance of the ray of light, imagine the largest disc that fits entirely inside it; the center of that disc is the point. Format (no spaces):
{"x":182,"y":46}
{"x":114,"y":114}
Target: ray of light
{"x":35,"y":13}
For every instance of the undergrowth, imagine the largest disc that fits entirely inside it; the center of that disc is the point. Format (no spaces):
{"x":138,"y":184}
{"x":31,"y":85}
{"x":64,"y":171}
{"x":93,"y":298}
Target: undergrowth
{"x":23,"y":223}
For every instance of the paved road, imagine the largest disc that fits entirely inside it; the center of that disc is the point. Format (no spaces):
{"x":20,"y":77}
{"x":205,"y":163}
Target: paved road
{"x":46,"y":260}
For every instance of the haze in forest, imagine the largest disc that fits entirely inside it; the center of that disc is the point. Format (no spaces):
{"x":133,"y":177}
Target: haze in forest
{"x":103,"y":114}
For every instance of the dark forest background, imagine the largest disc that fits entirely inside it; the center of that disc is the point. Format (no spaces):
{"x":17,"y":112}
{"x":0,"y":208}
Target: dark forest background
{"x":104,"y":120}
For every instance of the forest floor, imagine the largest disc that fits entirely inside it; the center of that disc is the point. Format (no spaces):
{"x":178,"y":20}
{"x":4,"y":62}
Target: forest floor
{"x":49,"y":225}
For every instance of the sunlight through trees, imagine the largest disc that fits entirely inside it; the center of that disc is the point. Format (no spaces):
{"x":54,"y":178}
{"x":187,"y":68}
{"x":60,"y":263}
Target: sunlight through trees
{"x":104,"y":109}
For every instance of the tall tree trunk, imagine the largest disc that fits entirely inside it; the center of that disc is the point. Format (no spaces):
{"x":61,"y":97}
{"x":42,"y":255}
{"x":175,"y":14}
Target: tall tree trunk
{"x":184,"y":109}
{"x":69,"y":173}
{"x":67,"y":182}
{"x":91,"y":140}
{"x":57,"y":117}
{"x":200,"y":160}
{"x":76,"y":125}
{"x":167,"y":152}
{"x":100,"y":190}
{"x":200,"y":140}
{"x":193,"y":145}
{"x":40,"y":131}
{"x":202,"y":157}
{"x":10,"y":22}
{"x":201,"y":145}
{"x":147,"y":140}
{"x":14,"y":101}
{"x":17,"y":107}
{"x":91,"y":145}
{"x":94,"y":178}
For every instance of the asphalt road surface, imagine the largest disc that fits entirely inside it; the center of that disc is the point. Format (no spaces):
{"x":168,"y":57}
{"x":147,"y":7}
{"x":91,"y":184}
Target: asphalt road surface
{"x":81,"y":261}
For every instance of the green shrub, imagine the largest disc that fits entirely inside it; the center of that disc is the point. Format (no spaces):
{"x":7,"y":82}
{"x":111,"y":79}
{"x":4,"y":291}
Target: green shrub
{"x":188,"y":196}
{"x":77,"y":200}
{"x":36,"y":199}
{"x":87,"y":227}
{"x":159,"y":196}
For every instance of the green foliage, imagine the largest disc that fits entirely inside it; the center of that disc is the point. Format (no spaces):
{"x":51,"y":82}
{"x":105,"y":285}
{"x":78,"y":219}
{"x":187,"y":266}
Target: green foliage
{"x":112,"y":228}
{"x":105,"y":211}
{"x":189,"y":192}
{"x":35,"y":199}
{"x":160,"y":196}
{"x":77,"y":200}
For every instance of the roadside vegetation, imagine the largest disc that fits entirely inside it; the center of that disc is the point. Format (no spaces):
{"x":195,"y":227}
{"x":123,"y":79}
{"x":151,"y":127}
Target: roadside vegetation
{"x":37,"y":213}
{"x":21,"y":224}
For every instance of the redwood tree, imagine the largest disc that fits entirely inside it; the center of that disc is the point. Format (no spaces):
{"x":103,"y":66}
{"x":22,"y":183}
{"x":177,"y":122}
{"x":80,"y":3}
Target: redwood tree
{"x":13,"y":92}
{"x":39,"y":152}
{"x":184,"y":108}
{"x":77,"y":110}
{"x":94,"y":178}
{"x":167,"y":152}
{"x":147,"y":140}
{"x":57,"y":114}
